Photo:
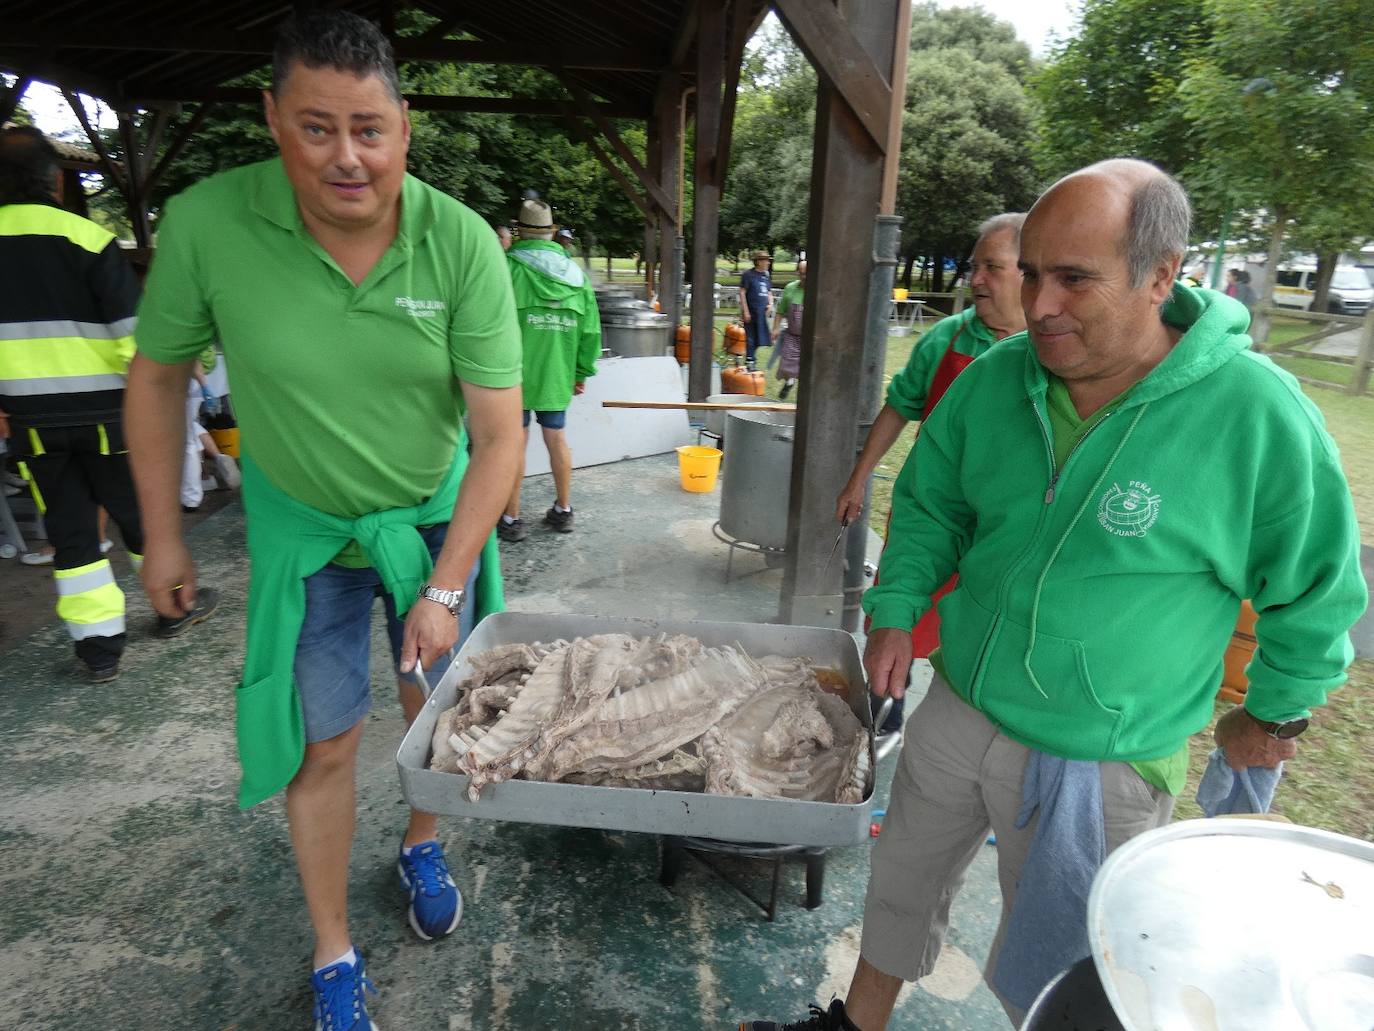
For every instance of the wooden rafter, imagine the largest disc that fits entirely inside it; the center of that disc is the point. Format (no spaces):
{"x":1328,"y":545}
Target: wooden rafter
{"x":829,"y":44}
{"x":98,"y":145}
{"x":419,"y":101}
{"x":175,"y":147}
{"x":580,"y":132}
{"x":588,"y":107}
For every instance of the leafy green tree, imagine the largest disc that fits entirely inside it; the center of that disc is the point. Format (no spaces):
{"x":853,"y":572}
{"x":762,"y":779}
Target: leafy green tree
{"x":1112,"y":90}
{"x":1280,"y":100}
{"x":966,"y":137}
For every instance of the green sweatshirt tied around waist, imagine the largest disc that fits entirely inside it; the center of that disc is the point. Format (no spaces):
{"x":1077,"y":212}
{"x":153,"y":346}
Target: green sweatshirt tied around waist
{"x":289,"y":541}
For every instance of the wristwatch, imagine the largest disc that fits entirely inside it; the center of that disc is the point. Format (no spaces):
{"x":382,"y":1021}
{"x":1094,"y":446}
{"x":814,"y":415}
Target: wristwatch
{"x":451,"y":600}
{"x":1281,"y":731}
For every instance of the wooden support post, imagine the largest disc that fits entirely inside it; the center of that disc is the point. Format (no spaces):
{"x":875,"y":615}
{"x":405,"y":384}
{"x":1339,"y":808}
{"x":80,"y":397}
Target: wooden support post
{"x":706,"y":193}
{"x":668,"y":118}
{"x":652,"y":155}
{"x":846,"y":190}
{"x":1359,"y":382}
{"x":182,"y":138}
{"x":133,"y":166}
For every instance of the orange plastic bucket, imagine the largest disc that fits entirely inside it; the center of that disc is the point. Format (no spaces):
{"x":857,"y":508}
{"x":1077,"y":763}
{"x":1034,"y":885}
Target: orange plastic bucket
{"x":698,"y":468}
{"x":226,"y":440}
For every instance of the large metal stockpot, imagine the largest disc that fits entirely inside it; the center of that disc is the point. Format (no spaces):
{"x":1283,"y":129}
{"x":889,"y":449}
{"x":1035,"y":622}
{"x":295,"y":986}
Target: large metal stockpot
{"x":635,"y":333}
{"x":757,"y":477}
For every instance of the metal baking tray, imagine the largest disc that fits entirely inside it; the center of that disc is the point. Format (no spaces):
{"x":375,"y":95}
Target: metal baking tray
{"x":1237,"y":925}
{"x":688,"y":813}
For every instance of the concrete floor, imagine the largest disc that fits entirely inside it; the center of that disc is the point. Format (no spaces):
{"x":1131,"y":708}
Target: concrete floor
{"x":134,"y":894}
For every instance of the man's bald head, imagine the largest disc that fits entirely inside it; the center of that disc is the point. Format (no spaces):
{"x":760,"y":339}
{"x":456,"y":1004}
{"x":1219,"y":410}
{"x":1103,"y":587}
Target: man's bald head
{"x":1151,"y":208}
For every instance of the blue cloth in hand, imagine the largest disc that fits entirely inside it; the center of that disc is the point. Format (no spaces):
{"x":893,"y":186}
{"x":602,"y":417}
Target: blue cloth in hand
{"x":1047,"y":930}
{"x":1223,"y":790}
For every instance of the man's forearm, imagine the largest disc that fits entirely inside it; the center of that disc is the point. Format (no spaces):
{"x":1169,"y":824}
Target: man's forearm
{"x":481,"y":500}
{"x":881,"y":436}
{"x":155,"y":431}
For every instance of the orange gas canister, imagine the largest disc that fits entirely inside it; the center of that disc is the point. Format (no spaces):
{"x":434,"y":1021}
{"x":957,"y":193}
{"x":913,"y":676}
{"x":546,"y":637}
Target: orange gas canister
{"x":739,"y":380}
{"x":1239,"y":652}
{"x":735,"y":339}
{"x":683,"y":345}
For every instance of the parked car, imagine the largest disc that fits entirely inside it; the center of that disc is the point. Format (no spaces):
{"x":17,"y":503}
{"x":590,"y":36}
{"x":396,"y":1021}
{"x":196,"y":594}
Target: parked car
{"x":1350,"y":292}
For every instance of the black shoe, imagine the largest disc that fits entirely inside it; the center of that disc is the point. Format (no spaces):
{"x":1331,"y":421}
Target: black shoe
{"x":560,"y":521}
{"x":511,"y":532}
{"x":786,"y":389}
{"x":189,"y":510}
{"x":207,"y":600}
{"x":833,"y":1019}
{"x":102,"y":674}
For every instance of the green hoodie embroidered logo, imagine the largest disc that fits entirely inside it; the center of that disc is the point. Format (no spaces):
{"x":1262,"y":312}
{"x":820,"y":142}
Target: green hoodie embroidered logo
{"x":1130,"y":512}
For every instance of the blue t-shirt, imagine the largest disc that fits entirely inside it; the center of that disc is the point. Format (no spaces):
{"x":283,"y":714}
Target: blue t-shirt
{"x":757,"y":287}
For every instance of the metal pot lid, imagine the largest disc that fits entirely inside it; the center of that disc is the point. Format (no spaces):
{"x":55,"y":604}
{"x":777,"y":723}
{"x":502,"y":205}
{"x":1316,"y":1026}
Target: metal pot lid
{"x":635,"y":319}
{"x":1230,"y":924}
{"x":618,"y":301}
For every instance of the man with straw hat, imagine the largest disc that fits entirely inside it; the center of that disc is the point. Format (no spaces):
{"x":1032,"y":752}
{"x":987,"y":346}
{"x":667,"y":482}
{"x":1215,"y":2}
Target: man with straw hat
{"x":561,"y":332}
{"x":756,"y":304}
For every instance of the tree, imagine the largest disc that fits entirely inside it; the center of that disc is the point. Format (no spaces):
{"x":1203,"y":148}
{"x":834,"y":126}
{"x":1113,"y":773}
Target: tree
{"x":966,"y":136}
{"x":1112,"y":90}
{"x":1280,"y":100}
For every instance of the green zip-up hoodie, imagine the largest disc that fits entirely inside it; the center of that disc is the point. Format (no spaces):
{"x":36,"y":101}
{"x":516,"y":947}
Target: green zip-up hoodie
{"x":1093,"y":607}
{"x":559,"y":324}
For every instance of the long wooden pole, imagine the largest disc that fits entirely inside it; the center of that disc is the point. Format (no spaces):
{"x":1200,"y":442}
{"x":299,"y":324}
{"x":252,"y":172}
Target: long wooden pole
{"x":703,"y":406}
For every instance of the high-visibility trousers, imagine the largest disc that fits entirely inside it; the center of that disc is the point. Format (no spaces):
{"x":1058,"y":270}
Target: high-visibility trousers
{"x":74,"y":470}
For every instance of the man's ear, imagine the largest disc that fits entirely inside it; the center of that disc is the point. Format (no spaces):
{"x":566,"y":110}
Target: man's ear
{"x":269,"y":109}
{"x":1162,"y":280}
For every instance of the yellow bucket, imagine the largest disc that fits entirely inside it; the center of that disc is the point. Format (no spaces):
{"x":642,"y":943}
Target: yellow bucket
{"x":698,"y":468}
{"x":227,"y":440}
{"x":898,"y":293}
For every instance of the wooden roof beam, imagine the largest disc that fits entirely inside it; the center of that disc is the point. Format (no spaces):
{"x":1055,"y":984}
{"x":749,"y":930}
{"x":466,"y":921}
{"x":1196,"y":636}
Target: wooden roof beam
{"x":829,"y":43}
{"x":207,"y":40}
{"x":537,"y":106}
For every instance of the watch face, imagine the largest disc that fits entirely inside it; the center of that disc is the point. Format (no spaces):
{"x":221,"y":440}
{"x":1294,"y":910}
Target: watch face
{"x":1290,"y":729}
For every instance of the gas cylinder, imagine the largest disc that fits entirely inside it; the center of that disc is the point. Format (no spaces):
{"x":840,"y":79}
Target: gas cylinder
{"x":735,"y":339}
{"x":739,"y":380}
{"x":683,"y":345}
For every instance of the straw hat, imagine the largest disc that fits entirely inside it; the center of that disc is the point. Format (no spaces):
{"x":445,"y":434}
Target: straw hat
{"x":760,"y":256}
{"x":535,"y":214}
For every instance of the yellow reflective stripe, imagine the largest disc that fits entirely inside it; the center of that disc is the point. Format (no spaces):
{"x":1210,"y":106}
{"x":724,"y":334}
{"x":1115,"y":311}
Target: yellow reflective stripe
{"x":41,"y":357}
{"x":104,"y":438}
{"x":33,"y":487}
{"x":35,"y":444}
{"x":89,"y":601}
{"x":46,"y":220}
{"x":80,"y":579}
{"x":105,"y":628}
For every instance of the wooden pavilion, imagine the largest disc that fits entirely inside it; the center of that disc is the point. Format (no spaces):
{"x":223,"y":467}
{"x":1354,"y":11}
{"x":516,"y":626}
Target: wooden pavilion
{"x":657,"y":61}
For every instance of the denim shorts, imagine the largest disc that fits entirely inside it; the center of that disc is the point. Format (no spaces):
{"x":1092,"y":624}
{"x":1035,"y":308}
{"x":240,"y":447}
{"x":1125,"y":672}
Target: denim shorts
{"x":549,"y":420}
{"x":333,"y":653}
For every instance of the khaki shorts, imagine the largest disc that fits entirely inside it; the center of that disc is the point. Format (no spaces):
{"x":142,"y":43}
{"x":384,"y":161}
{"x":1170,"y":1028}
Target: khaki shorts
{"x":958,"y":778}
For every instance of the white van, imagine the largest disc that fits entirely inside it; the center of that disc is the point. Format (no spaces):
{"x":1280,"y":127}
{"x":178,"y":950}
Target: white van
{"x":1350,"y":292}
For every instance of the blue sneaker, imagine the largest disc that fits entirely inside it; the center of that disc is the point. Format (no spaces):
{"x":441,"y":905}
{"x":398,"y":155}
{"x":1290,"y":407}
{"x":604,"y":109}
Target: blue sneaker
{"x":436,"y":905}
{"x":339,"y":1001}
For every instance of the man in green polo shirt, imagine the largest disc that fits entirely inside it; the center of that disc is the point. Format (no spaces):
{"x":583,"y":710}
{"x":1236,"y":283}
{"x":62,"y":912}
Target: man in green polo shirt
{"x":362,"y":313}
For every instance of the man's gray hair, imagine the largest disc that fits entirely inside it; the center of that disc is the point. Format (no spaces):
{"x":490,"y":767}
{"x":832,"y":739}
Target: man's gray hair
{"x":1007,"y":222}
{"x":1157,"y":227}
{"x":340,"y":40}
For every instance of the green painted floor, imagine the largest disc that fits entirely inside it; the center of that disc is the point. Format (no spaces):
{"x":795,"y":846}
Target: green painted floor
{"x":134,"y":894}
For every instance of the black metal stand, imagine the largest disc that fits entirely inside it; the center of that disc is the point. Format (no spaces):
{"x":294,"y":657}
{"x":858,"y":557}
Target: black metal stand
{"x":772,"y":557}
{"x":676,"y":849}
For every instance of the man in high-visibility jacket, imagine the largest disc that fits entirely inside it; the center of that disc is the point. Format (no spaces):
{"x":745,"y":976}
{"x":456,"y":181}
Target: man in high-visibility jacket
{"x":67,"y":303}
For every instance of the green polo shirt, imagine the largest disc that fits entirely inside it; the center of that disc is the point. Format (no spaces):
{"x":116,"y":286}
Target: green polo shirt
{"x":347,"y":397}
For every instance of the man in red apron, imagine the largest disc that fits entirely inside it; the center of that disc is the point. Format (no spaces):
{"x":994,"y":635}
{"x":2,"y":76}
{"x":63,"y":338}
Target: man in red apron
{"x":944,"y":351}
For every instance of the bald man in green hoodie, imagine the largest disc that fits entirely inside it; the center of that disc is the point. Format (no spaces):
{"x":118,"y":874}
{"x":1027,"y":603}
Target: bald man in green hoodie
{"x":1108,"y":486}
